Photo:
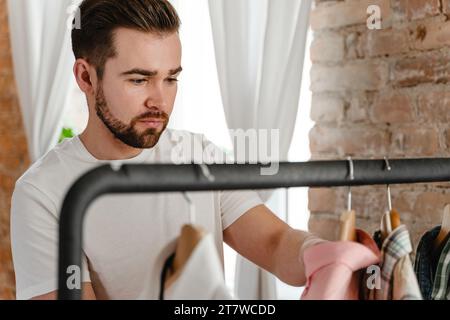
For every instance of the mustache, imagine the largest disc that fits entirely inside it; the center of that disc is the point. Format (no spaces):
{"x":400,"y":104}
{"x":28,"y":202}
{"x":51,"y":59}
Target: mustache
{"x":154,"y":114}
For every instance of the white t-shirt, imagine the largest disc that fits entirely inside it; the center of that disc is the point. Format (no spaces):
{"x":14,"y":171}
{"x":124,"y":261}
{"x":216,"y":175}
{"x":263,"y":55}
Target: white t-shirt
{"x":123,"y":234}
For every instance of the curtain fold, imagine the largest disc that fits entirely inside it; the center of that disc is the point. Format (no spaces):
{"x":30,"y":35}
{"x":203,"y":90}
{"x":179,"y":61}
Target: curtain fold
{"x":260,"y":49}
{"x":42,"y":57}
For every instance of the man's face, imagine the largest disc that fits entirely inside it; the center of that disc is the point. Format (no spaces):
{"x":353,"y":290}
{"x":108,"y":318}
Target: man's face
{"x":136,"y":95}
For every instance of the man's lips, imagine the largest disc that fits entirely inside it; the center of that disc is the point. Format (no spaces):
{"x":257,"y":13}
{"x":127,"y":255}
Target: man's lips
{"x":152,"y":122}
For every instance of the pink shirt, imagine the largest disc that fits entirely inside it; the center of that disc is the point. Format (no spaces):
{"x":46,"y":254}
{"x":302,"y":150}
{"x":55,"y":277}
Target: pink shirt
{"x":333,"y":268}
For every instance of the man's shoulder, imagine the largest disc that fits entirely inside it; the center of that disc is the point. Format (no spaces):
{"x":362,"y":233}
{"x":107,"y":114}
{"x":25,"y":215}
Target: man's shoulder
{"x":50,"y":170}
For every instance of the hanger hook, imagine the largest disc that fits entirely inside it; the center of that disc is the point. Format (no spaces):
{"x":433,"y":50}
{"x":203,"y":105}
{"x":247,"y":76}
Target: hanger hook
{"x":207,"y":173}
{"x":388,"y":167}
{"x":191,"y":208}
{"x":352,"y":177}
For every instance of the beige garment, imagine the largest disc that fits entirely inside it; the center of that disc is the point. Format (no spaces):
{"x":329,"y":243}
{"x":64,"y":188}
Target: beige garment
{"x":405,"y":285}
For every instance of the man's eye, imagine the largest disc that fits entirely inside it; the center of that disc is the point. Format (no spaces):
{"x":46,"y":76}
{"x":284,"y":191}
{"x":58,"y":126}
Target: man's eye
{"x":173,"y":80}
{"x":138,"y":81}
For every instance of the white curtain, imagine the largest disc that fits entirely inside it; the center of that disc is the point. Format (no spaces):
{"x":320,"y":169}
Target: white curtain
{"x":260,"y":48}
{"x":40,"y":39}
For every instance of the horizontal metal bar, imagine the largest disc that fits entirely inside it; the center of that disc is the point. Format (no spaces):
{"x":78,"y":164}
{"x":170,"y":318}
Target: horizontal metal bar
{"x":171,"y":178}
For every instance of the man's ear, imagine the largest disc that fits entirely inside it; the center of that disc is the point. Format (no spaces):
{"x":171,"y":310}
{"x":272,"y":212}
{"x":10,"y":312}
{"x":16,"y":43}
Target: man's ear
{"x":86,"y":76}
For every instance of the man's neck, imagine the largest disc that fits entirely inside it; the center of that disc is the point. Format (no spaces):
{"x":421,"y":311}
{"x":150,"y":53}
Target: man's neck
{"x":103,"y":145}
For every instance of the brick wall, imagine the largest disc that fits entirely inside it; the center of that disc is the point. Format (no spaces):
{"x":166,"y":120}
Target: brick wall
{"x":380,"y":93}
{"x":13,"y":153}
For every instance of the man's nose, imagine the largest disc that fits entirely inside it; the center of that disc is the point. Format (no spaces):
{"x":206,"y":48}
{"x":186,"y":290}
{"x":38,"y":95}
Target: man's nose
{"x":156,"y":98}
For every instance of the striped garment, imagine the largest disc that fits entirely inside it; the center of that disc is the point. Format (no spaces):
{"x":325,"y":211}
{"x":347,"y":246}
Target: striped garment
{"x":395,"y":248}
{"x":434,"y":282}
{"x":441,"y":288}
{"x":398,"y":281}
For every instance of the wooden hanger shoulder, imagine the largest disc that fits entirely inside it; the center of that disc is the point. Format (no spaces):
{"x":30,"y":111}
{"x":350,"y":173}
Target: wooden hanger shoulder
{"x":348,"y":226}
{"x":445,"y":227}
{"x":189,"y":238}
{"x":395,"y":219}
{"x":385,"y":225}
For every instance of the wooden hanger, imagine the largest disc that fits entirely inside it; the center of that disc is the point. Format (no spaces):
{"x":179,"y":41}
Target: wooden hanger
{"x":348,"y":217}
{"x":385,"y":225}
{"x":348,"y":226}
{"x":188,"y":240}
{"x":390,"y":219}
{"x":389,"y":222}
{"x":445,"y":228}
{"x":395,"y":219}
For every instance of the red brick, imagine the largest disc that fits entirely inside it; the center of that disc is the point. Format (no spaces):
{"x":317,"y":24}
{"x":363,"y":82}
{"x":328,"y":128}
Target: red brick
{"x":325,"y":228}
{"x":433,"y":35}
{"x":446,"y":6}
{"x":321,"y":2}
{"x":322,"y":200}
{"x":434,"y":106}
{"x":415,"y":9}
{"x":393,"y":107}
{"x":351,"y":46}
{"x":358,"y":110}
{"x":415,"y":141}
{"x":7,"y":87}
{"x":326,"y":108}
{"x":383,"y":42}
{"x":347,"y":13}
{"x":4,"y":49}
{"x":348,"y":141}
{"x":366,"y":75}
{"x":427,"y":67}
{"x":430,"y":205}
{"x":368,"y":202}
{"x":327,"y":48}
{"x":371,"y":116}
{"x":447,"y":139}
{"x":404,"y":203}
{"x":13,"y":153}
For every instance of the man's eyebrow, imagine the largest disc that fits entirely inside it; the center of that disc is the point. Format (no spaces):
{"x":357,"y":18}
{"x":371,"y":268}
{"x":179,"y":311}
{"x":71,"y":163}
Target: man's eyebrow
{"x":175,"y":71}
{"x":148,"y":73}
{"x":141,"y":72}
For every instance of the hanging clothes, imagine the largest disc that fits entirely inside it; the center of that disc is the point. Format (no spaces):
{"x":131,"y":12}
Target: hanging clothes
{"x":201,"y":278}
{"x":398,"y":280}
{"x":333,"y":269}
{"x":405,"y":286}
{"x":432,"y":266}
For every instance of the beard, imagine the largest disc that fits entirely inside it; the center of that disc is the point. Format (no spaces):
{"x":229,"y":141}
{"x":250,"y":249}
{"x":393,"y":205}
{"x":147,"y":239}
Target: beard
{"x":127,"y":133}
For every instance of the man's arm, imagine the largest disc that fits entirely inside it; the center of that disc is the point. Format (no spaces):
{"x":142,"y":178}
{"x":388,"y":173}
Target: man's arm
{"x":34,"y":243}
{"x":88,"y":293}
{"x":263,"y":238}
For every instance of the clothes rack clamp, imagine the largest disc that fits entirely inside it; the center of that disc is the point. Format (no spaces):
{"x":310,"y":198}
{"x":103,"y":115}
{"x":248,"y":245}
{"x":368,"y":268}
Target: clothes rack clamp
{"x":141,"y":178}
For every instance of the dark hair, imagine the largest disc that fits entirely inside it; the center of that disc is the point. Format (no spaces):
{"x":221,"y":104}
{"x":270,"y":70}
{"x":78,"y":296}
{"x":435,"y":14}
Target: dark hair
{"x":94,"y":39}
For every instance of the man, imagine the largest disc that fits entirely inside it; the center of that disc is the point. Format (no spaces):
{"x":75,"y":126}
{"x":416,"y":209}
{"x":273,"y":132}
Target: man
{"x":128,"y":58}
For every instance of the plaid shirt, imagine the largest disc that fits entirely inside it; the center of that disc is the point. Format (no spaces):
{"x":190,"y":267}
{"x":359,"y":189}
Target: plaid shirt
{"x":398,"y":281}
{"x":396,"y":246}
{"x":434,"y":285}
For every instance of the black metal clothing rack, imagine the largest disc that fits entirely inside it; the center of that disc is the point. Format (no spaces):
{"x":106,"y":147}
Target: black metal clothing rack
{"x":176,"y":178}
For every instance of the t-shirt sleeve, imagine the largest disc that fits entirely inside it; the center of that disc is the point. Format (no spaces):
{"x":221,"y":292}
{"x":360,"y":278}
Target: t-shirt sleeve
{"x":233,"y":204}
{"x":34,"y":242}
